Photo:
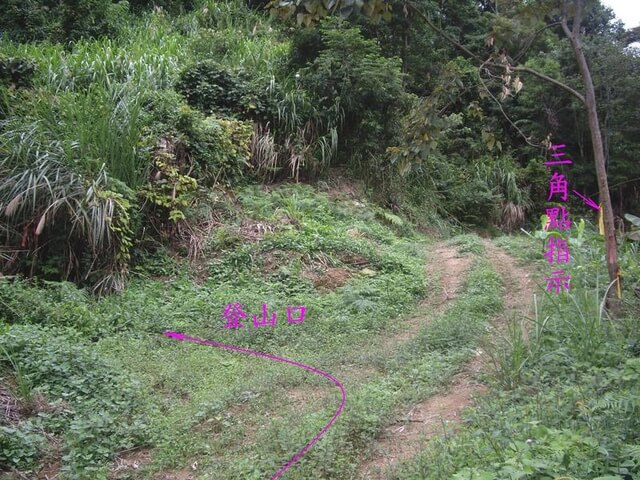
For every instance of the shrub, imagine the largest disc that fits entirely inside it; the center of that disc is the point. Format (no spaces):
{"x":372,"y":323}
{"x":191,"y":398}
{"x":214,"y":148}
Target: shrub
{"x":214,"y":149}
{"x":85,"y":19}
{"x":220,"y":146}
{"x":306,"y":45}
{"x":16,"y":72}
{"x":30,"y":20}
{"x":62,"y":21}
{"x":474,"y":202}
{"x":211,"y":89}
{"x":357,"y":90}
{"x":170,"y":189}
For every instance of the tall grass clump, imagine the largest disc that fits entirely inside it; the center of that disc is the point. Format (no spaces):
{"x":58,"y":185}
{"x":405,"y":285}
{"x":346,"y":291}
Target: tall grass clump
{"x":503,"y":174}
{"x":581,"y":325}
{"x":573,"y":326}
{"x":510,"y":354}
{"x":70,"y":166}
{"x":85,"y":131}
{"x":78,"y":227}
{"x":147,"y":55}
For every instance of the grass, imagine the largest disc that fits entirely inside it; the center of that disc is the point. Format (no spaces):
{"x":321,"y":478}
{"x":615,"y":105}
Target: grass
{"x":467,"y":243}
{"x":521,"y":247}
{"x":564,"y":379}
{"x":564,"y":396}
{"x":187,"y":386}
{"x":231,"y":413}
{"x":148,"y":54}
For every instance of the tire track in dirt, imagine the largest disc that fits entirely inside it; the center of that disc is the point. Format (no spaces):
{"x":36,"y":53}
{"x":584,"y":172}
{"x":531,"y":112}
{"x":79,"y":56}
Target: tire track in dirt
{"x":452,"y":269}
{"x":421,"y":422}
{"x":445,"y":262}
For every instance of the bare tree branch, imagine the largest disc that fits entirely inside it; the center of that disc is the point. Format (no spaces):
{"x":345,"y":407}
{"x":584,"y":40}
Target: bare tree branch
{"x":464,"y":49}
{"x":542,"y":76}
{"x":532,"y":39}
{"x":520,"y":132}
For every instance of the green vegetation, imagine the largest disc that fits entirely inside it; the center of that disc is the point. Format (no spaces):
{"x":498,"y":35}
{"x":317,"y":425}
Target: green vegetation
{"x":160,"y":160}
{"x":90,"y":341}
{"x":565,"y":398}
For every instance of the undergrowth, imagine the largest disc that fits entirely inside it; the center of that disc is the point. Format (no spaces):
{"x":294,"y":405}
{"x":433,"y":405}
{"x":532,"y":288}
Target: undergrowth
{"x":564,"y":401}
{"x":108,"y":381}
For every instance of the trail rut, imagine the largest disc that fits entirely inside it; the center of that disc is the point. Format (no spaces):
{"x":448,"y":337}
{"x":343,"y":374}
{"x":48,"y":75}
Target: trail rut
{"x":421,"y":422}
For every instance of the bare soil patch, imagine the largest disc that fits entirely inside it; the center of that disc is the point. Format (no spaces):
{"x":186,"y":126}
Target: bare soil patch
{"x":407,"y":436}
{"x":340,"y":186}
{"x":254,"y":231}
{"x":327,"y":278}
{"x":452,"y":267}
{"x":304,"y":395}
{"x":274,"y":259}
{"x":353,"y":259}
{"x":184,"y":474}
{"x":128,"y":462}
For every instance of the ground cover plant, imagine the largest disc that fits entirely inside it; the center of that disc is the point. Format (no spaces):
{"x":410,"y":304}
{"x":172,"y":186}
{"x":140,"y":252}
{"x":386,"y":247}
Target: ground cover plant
{"x":126,"y":329}
{"x":162,"y":160}
{"x":170,"y":420}
{"x":564,"y":378}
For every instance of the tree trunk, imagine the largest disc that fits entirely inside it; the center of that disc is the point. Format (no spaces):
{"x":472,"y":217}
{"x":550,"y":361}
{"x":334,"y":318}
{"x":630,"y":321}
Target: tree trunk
{"x":598,"y":149}
{"x":592,"y":114}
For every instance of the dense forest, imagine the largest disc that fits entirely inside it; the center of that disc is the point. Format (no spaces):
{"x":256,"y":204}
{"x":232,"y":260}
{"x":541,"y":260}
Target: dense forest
{"x":400,"y":178}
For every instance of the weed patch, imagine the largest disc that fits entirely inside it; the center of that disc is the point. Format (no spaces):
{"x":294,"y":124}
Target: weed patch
{"x":467,"y":243}
{"x":564,"y":401}
{"x":104,"y":408}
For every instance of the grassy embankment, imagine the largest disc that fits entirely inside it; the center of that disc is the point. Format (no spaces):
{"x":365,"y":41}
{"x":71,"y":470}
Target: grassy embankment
{"x":564,"y":401}
{"x":99,"y":377}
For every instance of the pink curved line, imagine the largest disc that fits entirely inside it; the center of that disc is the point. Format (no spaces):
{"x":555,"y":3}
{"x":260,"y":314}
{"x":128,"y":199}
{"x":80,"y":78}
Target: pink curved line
{"x":303,"y":450}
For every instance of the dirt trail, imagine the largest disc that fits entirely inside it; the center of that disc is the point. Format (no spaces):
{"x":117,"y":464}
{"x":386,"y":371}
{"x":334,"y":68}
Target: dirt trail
{"x":518,"y":280}
{"x":443,"y":261}
{"x":424,"y":420}
{"x":418,"y":423}
{"x":452,"y":269}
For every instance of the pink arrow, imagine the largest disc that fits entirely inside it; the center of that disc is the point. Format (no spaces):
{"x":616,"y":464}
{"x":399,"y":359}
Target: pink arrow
{"x":588,"y":201}
{"x":176,"y":335}
{"x":317,"y":371}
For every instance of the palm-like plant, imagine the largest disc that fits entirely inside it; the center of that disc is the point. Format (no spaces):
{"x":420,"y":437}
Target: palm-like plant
{"x":501,"y":175}
{"x":46,"y":199}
